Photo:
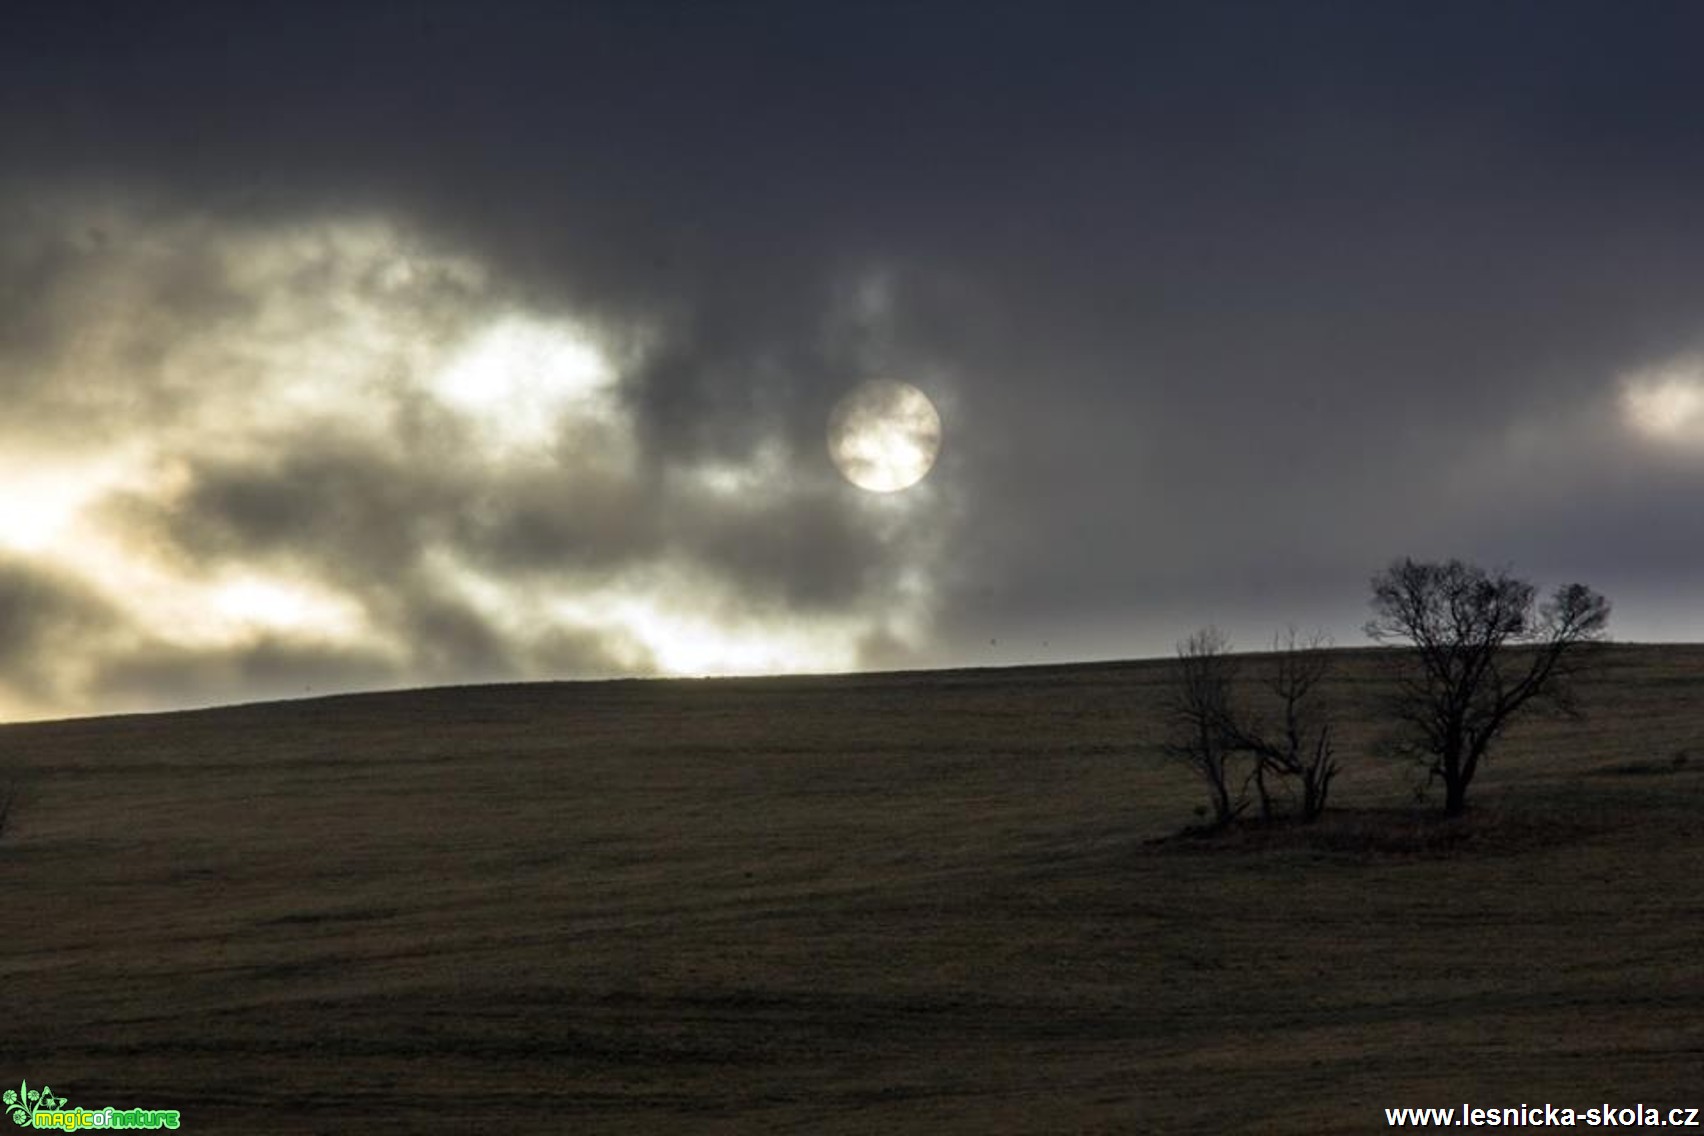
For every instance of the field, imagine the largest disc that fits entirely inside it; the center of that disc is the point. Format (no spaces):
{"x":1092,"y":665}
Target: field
{"x":950,"y":902}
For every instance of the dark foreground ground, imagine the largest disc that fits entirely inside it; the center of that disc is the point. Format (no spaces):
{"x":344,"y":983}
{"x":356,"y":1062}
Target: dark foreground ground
{"x":914,"y":903}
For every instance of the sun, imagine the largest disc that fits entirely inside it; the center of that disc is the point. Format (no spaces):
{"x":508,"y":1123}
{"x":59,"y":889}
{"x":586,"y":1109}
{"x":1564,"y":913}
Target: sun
{"x":884,"y":436}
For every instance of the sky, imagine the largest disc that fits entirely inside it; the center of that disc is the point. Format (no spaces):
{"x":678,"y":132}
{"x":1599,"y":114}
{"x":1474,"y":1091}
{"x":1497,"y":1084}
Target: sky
{"x":356,"y":346}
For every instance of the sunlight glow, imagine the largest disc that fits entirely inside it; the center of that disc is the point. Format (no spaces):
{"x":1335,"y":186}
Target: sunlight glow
{"x":253,"y":602}
{"x":518,"y":377}
{"x":50,"y":493}
{"x":41,"y":504}
{"x":666,"y":622}
{"x":684,"y":642}
{"x":159,"y":600}
{"x":1667,"y":404}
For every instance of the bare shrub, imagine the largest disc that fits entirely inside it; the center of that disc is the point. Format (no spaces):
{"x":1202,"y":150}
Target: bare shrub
{"x":1299,"y":746}
{"x":1199,"y":711}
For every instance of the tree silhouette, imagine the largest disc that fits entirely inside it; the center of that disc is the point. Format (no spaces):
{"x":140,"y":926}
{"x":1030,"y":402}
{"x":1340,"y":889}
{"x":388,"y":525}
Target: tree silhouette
{"x":1463,"y":683}
{"x":1300,"y":744}
{"x":1199,"y":708}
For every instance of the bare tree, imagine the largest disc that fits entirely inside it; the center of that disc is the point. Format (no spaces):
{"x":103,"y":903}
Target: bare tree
{"x":1300,"y":744}
{"x":1463,"y":684}
{"x":1200,"y":713}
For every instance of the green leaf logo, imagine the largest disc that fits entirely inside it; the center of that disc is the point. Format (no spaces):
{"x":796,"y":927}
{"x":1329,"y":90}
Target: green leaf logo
{"x":21,"y":1103}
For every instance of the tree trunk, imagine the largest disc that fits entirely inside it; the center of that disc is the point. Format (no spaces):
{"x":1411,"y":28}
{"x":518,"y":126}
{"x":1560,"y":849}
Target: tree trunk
{"x":1455,"y":796}
{"x":1312,"y":797}
{"x":1221,"y":803}
{"x":1457,"y":773}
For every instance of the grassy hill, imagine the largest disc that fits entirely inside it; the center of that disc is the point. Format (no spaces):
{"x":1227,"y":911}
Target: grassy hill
{"x":935,"y":902}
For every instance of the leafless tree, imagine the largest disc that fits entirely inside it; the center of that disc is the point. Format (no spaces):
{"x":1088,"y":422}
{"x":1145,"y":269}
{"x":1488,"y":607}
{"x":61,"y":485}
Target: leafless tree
{"x":1200,"y":713}
{"x":1300,"y":744}
{"x":1462,"y":683}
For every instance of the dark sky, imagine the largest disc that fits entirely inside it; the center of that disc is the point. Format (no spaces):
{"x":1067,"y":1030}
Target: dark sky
{"x":383,"y":344}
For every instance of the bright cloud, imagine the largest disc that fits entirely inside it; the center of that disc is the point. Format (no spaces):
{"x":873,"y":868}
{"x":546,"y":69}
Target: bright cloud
{"x":519,"y":377}
{"x":263,"y":450}
{"x":1667,"y":403}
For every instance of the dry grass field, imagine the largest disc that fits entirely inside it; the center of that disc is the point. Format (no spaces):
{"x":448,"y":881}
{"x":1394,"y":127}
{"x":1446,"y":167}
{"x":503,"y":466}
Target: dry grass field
{"x":947,"y":902}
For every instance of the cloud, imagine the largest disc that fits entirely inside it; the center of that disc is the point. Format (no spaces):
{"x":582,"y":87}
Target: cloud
{"x":1223,"y":306}
{"x":1666,"y":403}
{"x":162,"y":673}
{"x":43,"y":620}
{"x":334,"y":445}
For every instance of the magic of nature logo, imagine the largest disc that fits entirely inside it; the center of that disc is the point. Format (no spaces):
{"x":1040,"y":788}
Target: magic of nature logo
{"x":40,"y":1108}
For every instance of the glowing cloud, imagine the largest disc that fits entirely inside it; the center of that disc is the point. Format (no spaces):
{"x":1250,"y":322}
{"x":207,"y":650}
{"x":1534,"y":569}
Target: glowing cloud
{"x":288,"y":607}
{"x":266,"y":449}
{"x":1667,"y":404}
{"x":44,"y":497}
{"x":518,"y":378}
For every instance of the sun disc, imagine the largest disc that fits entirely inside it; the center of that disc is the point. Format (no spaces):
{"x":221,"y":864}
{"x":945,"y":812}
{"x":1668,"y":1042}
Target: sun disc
{"x":884,"y":436}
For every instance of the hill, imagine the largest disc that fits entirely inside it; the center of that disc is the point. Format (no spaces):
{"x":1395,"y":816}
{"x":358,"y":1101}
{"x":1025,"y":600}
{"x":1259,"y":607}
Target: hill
{"x":945,"y":902}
